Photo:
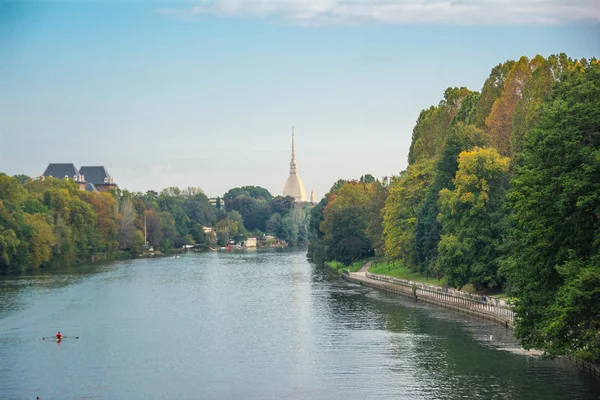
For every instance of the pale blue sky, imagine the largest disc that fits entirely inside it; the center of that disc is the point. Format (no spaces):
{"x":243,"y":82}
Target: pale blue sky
{"x":205,"y":93}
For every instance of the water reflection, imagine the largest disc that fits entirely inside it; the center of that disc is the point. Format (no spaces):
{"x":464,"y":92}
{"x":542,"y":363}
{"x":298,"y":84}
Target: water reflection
{"x":254,"y":325}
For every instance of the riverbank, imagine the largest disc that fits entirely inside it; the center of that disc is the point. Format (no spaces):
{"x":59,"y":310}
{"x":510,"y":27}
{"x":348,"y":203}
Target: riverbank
{"x":339,"y":267}
{"x":486,"y":307}
{"x":483,"y":306}
{"x":270,"y":318}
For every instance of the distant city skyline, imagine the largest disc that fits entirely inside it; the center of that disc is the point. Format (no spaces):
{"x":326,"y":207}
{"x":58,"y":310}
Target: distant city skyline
{"x":205,"y":93}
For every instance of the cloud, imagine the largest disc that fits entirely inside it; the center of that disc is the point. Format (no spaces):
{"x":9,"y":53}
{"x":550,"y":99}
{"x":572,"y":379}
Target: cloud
{"x":457,"y":12}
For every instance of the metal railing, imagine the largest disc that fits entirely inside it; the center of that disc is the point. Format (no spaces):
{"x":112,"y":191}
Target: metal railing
{"x":482,"y":303}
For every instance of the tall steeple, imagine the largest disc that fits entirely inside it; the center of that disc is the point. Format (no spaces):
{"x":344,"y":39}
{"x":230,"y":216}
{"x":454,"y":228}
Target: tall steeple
{"x":293,"y":186}
{"x":293,"y":165}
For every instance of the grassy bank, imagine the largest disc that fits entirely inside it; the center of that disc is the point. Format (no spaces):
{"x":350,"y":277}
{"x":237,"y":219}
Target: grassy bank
{"x":338,"y":266}
{"x":397,"y":270}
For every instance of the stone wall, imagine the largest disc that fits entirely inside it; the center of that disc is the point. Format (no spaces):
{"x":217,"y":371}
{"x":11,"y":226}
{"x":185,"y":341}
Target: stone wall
{"x":483,"y":306}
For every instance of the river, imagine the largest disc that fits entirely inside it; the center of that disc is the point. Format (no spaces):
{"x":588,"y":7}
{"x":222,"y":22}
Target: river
{"x":252,"y":325}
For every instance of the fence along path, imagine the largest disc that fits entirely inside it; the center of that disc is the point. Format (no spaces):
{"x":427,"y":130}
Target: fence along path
{"x":484,"y":306}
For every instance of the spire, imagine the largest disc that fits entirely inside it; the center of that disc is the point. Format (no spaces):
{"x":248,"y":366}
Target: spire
{"x":293,"y":166}
{"x":293,"y":144}
{"x":294,"y":186}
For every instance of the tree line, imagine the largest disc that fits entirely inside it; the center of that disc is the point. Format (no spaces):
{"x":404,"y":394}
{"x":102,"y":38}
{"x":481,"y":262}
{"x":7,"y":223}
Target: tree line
{"x":52,"y":222}
{"x":502,"y":191}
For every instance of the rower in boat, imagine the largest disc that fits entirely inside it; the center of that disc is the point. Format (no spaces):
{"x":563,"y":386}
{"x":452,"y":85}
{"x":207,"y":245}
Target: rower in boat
{"x":59,"y":337}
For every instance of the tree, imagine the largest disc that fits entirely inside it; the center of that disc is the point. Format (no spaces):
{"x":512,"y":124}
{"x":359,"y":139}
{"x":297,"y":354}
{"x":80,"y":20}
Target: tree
{"x":499,"y":124}
{"x":125,"y":222}
{"x":11,"y":190}
{"x":345,"y":222}
{"x":281,"y":205}
{"x":8,"y":245}
{"x":428,"y":230}
{"x":429,"y":134}
{"x":407,"y":194}
{"x":466,"y":112}
{"x":105,"y":208}
{"x":472,"y":219}
{"x":154,"y":227}
{"x":231,"y":228}
{"x":535,"y":92}
{"x":492,"y":90}
{"x":40,"y":237}
{"x":256,"y":192}
{"x":554,"y":268}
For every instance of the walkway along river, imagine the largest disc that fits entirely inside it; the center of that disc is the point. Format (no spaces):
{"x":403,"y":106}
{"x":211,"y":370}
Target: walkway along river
{"x":252,"y":325}
{"x":497,"y":310}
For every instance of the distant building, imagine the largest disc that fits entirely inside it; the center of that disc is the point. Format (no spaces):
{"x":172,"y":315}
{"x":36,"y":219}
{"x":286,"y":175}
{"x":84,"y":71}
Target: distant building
{"x":210,"y":233}
{"x":97,"y":180}
{"x":65,"y":171}
{"x":216,"y":202}
{"x":99,"y":177}
{"x":250,"y":242}
{"x":312,"y":197}
{"x":152,"y":193}
{"x":294,"y":186}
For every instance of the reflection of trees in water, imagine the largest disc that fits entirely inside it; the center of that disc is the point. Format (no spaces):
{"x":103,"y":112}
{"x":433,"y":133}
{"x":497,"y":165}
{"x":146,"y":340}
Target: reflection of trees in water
{"x":449,"y":357}
{"x":437,"y":353}
{"x":14,"y":286}
{"x":344,"y":303}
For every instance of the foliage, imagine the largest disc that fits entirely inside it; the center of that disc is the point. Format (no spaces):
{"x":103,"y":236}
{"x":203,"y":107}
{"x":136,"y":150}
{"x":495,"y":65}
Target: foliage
{"x":339,"y":266}
{"x":398,"y":270}
{"x":429,"y":134}
{"x":472,"y":219}
{"x":554,"y":268}
{"x":492,"y":90}
{"x":535,"y":91}
{"x":428,"y":229}
{"x":448,"y":212}
{"x":256,"y":192}
{"x":406,"y":196}
{"x":499,"y":122}
{"x":346,"y":225}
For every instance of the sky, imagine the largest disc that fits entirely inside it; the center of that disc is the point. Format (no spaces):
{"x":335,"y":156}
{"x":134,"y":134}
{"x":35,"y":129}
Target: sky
{"x":205,"y":93}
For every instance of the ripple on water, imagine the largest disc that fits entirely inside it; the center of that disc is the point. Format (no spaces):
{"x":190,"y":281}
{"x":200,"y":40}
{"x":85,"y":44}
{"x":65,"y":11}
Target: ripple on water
{"x":255,"y":325}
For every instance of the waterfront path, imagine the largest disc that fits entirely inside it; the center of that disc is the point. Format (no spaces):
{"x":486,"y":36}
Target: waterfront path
{"x":486,"y":307}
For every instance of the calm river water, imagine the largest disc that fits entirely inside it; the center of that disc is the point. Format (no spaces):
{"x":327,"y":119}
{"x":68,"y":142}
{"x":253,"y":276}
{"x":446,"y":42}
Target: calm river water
{"x":251,"y":325}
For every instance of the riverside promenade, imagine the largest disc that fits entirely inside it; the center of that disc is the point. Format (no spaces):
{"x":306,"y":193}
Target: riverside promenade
{"x":483,"y":306}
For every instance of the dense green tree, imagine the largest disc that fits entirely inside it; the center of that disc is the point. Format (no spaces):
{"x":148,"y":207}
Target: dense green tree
{"x":466,"y":112}
{"x":554,"y":268}
{"x":22,"y":178}
{"x":38,"y":232}
{"x":256,"y":192}
{"x":281,"y":204}
{"x":274,"y":224}
{"x":11,"y":190}
{"x":430,"y":132}
{"x":473,"y":220}
{"x":406,"y":197}
{"x":346,"y":220}
{"x":8,"y":244}
{"x":428,"y":229}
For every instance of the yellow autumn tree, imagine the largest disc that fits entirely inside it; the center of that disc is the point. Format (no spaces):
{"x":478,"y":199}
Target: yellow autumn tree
{"x":40,"y":238}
